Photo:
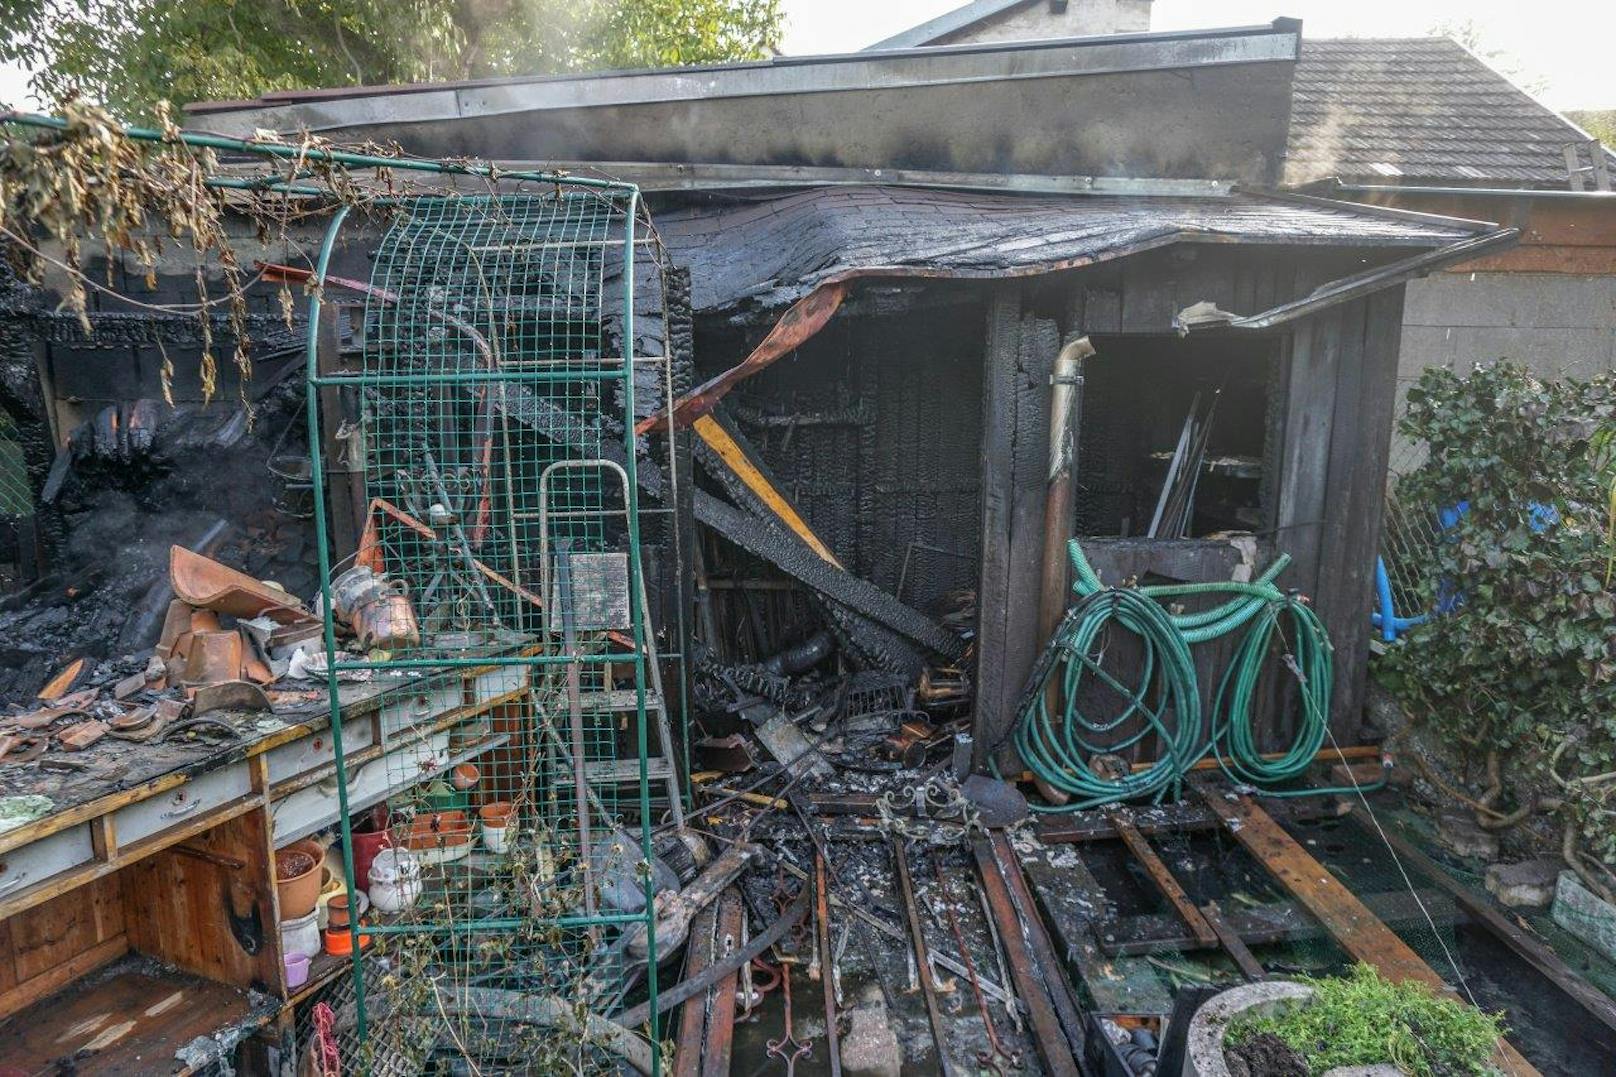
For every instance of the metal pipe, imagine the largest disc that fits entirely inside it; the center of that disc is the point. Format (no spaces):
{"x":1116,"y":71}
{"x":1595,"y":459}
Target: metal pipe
{"x":1065,"y":414}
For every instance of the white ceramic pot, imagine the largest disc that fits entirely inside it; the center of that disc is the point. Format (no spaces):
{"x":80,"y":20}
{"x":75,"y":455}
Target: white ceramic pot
{"x":497,"y":838}
{"x":395,"y":881}
{"x":301,"y":936}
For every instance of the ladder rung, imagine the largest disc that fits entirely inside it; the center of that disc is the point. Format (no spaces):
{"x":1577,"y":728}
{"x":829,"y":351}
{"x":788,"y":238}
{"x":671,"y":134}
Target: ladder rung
{"x":624,"y":771}
{"x":621,"y":700}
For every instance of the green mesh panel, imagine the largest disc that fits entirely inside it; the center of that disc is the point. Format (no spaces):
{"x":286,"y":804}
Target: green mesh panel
{"x":494,"y":393}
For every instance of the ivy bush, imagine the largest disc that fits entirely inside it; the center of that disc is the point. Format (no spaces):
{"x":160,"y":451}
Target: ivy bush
{"x":1520,"y":669}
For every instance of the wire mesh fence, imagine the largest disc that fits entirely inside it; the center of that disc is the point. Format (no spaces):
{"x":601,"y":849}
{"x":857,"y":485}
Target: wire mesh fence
{"x":499,"y":573}
{"x":16,"y":495}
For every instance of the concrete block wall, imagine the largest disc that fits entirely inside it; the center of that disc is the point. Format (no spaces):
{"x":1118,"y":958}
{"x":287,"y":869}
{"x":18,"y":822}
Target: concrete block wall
{"x":1557,"y":324}
{"x":1042,"y":19}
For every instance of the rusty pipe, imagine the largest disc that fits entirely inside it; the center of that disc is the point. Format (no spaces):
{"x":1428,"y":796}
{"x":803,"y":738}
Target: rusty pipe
{"x":1065,"y":415}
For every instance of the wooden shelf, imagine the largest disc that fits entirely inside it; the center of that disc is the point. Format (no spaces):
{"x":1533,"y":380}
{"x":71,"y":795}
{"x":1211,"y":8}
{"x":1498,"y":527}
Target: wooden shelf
{"x":131,"y":1017}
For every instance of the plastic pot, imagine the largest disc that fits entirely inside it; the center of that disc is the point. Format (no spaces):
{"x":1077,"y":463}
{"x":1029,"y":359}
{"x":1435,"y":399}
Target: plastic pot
{"x":302,"y":935}
{"x":370,"y":836}
{"x":297,"y":970}
{"x":297,"y":877}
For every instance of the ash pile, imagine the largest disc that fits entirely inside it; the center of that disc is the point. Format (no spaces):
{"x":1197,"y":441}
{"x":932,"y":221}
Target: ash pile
{"x":133,"y":480}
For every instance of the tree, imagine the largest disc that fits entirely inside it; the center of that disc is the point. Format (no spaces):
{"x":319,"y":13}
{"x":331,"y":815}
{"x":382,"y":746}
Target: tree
{"x":130,"y":56}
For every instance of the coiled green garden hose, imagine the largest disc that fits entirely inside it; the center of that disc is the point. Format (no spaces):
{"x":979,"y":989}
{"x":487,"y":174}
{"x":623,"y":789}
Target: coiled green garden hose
{"x":1078,"y":755}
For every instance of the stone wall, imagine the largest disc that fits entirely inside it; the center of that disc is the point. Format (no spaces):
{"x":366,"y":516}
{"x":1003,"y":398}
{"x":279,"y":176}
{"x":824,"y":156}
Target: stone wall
{"x":1082,"y":18}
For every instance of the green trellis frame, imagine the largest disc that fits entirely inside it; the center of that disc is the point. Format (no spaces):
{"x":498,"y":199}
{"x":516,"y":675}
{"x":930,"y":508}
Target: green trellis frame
{"x":497,"y":391}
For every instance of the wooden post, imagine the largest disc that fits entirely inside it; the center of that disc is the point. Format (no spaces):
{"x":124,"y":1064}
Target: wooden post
{"x":345,"y":507}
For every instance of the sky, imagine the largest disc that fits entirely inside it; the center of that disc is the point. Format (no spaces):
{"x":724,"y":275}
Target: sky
{"x":1561,"y":48}
{"x":1566,"y":46}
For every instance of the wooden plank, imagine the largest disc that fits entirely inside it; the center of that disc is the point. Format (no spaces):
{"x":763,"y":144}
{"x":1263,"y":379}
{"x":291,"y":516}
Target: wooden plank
{"x":715,"y":1054}
{"x":1002,"y":345}
{"x":1366,"y":397}
{"x":693,"y":1014}
{"x":1047,"y":1035}
{"x":1530,"y":948}
{"x":1035,"y":364}
{"x":1232,"y":943}
{"x":1162,"y":876}
{"x":736,"y":459}
{"x":49,"y":945}
{"x":61,"y":974}
{"x":202,"y":899}
{"x":1305,"y":446}
{"x":128,"y":1023}
{"x":1352,"y":925}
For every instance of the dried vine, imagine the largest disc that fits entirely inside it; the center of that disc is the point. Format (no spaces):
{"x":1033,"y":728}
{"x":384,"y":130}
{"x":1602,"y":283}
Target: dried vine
{"x":92,"y":180}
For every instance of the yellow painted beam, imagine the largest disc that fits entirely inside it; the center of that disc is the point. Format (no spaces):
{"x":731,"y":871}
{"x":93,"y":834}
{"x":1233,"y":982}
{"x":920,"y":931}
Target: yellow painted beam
{"x":735,"y":458}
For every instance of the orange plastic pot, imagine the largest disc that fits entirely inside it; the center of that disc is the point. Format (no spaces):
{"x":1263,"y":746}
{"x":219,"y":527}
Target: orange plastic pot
{"x":338,"y":941}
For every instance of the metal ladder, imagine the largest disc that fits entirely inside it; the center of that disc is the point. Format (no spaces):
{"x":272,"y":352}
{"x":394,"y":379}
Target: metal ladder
{"x":619,"y":772}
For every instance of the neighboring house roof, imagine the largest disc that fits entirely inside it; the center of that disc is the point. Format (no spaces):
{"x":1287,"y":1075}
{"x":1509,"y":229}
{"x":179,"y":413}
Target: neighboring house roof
{"x":949,"y":22}
{"x":777,"y":250}
{"x":1419,"y":110}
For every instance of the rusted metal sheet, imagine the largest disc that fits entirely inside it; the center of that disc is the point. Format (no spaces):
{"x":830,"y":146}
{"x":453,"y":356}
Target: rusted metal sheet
{"x":806,"y":317}
{"x":1031,"y":976}
{"x":1162,"y":876}
{"x":1357,"y":929}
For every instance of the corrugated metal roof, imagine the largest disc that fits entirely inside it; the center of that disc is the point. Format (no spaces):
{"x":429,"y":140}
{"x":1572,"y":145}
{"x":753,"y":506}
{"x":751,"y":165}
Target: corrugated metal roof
{"x":782,"y":247}
{"x":1414,"y":110}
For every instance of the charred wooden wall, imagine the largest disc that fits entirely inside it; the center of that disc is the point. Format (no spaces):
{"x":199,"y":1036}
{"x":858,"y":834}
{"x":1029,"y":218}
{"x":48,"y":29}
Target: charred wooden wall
{"x":1328,"y":425}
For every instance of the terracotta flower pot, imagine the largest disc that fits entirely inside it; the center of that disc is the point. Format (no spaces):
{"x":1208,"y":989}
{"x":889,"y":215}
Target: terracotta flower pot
{"x":297,"y":877}
{"x":497,"y":814}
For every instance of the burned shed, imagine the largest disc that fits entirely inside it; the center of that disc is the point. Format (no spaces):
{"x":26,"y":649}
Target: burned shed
{"x":914,"y":262}
{"x":912,"y":431}
{"x":868,"y":380}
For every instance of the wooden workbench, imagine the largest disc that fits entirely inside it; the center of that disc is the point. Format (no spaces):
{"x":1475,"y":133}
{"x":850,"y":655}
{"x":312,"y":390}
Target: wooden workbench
{"x":166,"y":850}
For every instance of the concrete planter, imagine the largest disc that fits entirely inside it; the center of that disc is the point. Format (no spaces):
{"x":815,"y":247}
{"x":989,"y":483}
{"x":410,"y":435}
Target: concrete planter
{"x":1203,"y":1055}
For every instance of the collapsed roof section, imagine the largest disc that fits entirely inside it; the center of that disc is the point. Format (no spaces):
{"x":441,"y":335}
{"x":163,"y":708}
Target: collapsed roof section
{"x":774,"y":251}
{"x":1208,"y":104}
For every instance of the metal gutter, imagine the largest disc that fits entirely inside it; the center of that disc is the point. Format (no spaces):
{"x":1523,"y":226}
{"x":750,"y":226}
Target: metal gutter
{"x":1373,"y":280}
{"x":1484,"y":192}
{"x":1374,"y":209}
{"x":661,"y":176}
